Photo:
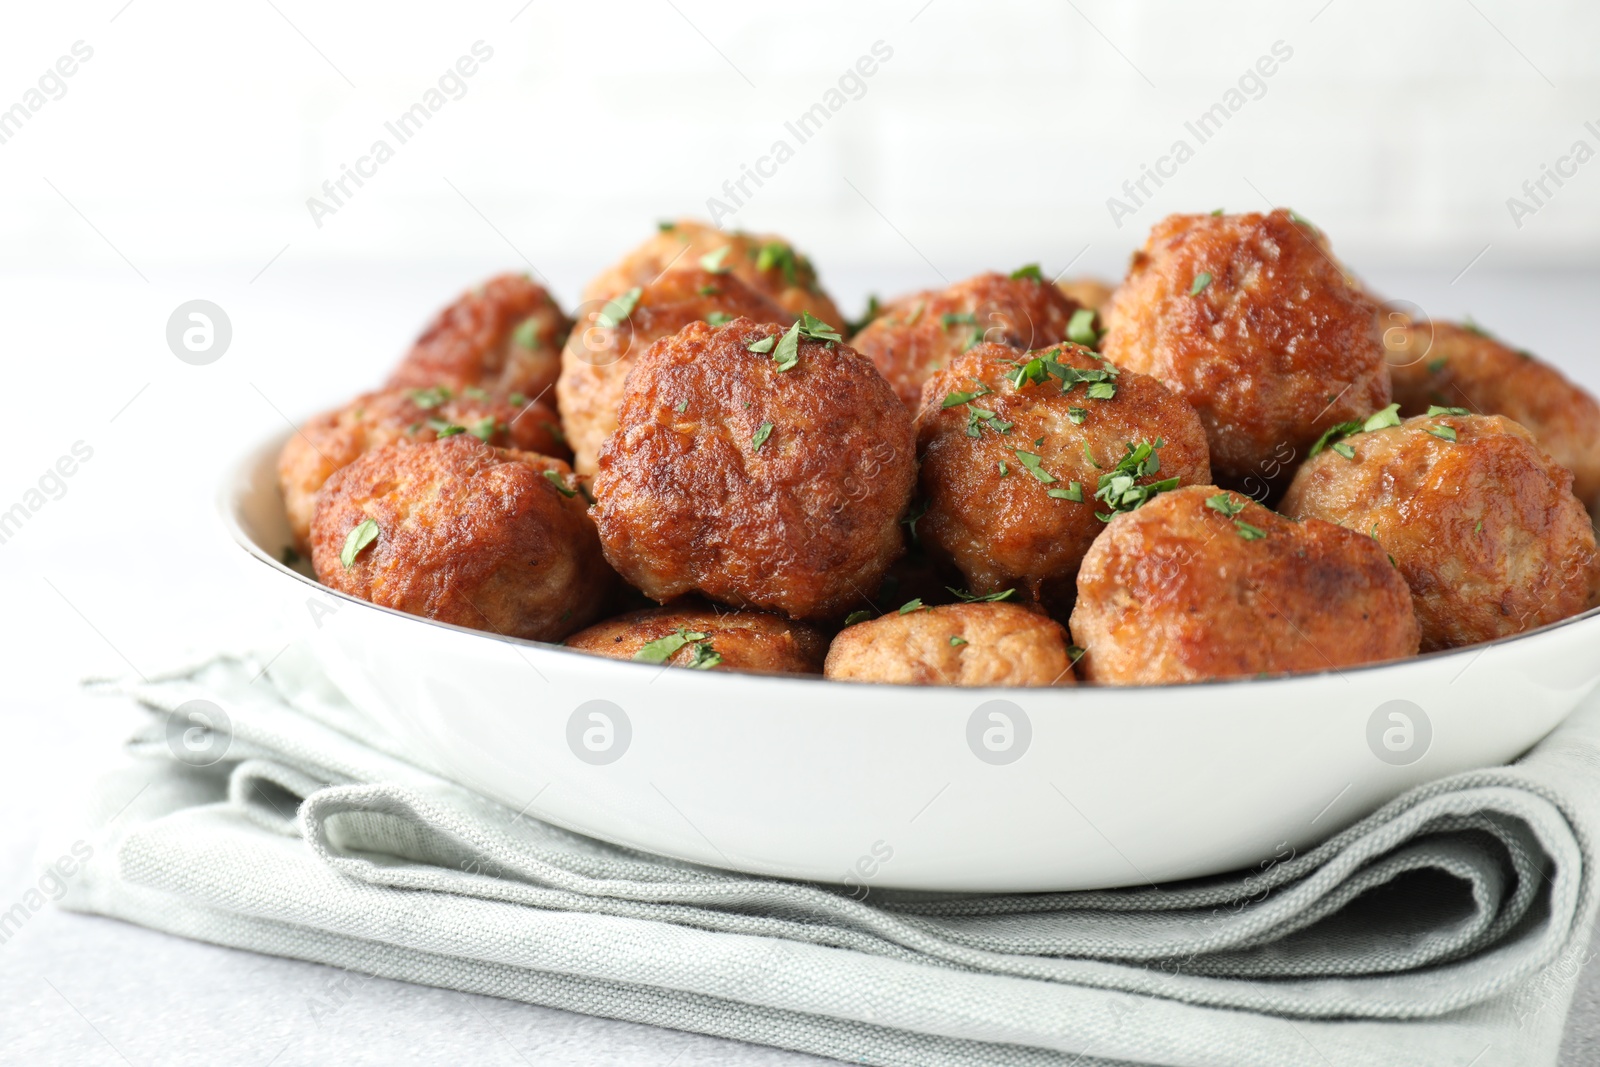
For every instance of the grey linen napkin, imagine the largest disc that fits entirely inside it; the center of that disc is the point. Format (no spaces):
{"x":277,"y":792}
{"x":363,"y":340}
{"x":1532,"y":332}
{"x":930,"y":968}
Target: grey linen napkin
{"x":1447,"y":928}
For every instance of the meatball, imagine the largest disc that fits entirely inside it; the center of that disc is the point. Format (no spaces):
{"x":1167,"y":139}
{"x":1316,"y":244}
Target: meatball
{"x":1022,"y":452}
{"x":1087,"y":292}
{"x":504,"y":336}
{"x":690,"y":633}
{"x":600,"y":353}
{"x":768,"y":264}
{"x":919,"y":334}
{"x":761,"y":467}
{"x":1482,"y":523}
{"x":1439,"y":363}
{"x":982,"y":644}
{"x":461,"y":532}
{"x":1201,"y":583}
{"x":337,"y":438}
{"x":1250,"y":319}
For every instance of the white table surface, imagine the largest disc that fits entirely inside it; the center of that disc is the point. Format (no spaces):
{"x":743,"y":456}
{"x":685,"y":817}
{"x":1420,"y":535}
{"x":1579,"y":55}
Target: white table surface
{"x":130,"y":564}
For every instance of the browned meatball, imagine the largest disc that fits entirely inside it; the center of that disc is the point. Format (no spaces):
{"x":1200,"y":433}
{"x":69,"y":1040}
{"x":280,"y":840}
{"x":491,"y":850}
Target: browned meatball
{"x":463,"y":533}
{"x":1482,"y":524}
{"x":1440,"y":363}
{"x":337,"y":438}
{"x":504,"y":336}
{"x":1250,"y":319}
{"x":1087,"y":292}
{"x":768,"y":264}
{"x":924,"y":332}
{"x":957,"y":644}
{"x":691,"y":633}
{"x":771,"y":477}
{"x":599,"y":353}
{"x":1013,"y":473}
{"x":1201,"y":583}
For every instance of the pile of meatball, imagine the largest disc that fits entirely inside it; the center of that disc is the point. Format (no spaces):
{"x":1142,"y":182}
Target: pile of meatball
{"x":1234,"y":464}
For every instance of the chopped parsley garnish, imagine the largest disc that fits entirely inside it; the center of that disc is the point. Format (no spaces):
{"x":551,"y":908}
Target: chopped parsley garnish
{"x":472,"y":392}
{"x":761,"y":436}
{"x":787,"y":354}
{"x":857,"y":616}
{"x":443,"y":429}
{"x":1378,"y":420}
{"x":1101,"y":380}
{"x":815,"y":329}
{"x":1443,"y":433}
{"x":956,"y":399}
{"x":914,"y":604}
{"x":1437,"y":365}
{"x":526,"y":335}
{"x":1343,"y":449}
{"x":428,"y":399}
{"x":1088,"y":455}
{"x":290,"y":557}
{"x":1004,"y":470}
{"x":1102,"y":390}
{"x":1076,"y":653}
{"x":1435,"y":409}
{"x":712,"y":261}
{"x":1031,"y":272}
{"x":918,"y":510}
{"x":1216,"y":213}
{"x":517,"y":399}
{"x":683,"y":405}
{"x":357,"y":539}
{"x":777,"y":254}
{"x":764,"y":345}
{"x":618,"y":308}
{"x":1080,"y":328}
{"x":916,"y":313}
{"x":484,"y":429}
{"x":978,"y":418}
{"x":1073,"y":492}
{"x":1033,"y":465}
{"x":1248,"y":532}
{"x":708,"y":290}
{"x":719,"y":318}
{"x":873,"y":307}
{"x":956,"y":641}
{"x":953,"y":318}
{"x":985,"y":598}
{"x":1119,"y":487}
{"x":702,"y":657}
{"x":1224,"y":503}
{"x":1077,"y":416}
{"x":666,"y":227}
{"x":560,"y":483}
{"x":1201,"y":280}
{"x":1476,"y":529}
{"x":664,"y":648}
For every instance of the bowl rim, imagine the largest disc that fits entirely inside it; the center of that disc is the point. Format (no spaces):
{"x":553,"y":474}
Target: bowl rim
{"x":238,"y":473}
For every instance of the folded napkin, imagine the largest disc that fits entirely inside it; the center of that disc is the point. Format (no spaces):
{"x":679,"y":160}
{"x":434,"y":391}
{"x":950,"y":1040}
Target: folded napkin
{"x":1447,"y":928}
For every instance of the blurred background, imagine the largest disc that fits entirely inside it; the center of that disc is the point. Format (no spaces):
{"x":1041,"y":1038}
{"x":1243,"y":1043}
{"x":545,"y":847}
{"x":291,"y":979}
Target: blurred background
{"x":154,"y":152}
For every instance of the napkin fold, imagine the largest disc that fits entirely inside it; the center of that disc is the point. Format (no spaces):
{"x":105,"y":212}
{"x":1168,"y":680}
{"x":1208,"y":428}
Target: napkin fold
{"x":1449,"y":925}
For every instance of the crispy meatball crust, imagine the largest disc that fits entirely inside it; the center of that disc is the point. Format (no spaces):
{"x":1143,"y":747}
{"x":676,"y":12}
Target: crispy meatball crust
{"x":504,"y":336}
{"x":957,"y":644}
{"x":919,"y":334}
{"x":746,"y":640}
{"x":766,"y":263}
{"x":1484,"y":528}
{"x":1178,"y":592}
{"x":597,"y":358}
{"x":758,"y":487}
{"x":1440,"y":363}
{"x":1276,"y":347}
{"x":337,"y":438}
{"x":1004,"y":530}
{"x":468,"y":534}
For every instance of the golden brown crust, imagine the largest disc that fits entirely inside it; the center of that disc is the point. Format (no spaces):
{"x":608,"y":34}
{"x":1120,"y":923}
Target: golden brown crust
{"x":1087,"y":292}
{"x":984,"y":644}
{"x":1440,"y":363}
{"x":337,"y":438}
{"x":764,"y":262}
{"x":1279,"y":345}
{"x":504,"y":336}
{"x":804,"y":524}
{"x":1485,"y":529}
{"x":745,"y":640}
{"x":467,"y":534}
{"x":1004,"y":530}
{"x":923,"y":332}
{"x":597,"y":357}
{"x":1175,"y":592}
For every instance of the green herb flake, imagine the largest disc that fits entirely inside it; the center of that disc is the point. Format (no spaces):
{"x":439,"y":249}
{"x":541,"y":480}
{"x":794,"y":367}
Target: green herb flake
{"x":428,"y":399}
{"x":443,"y":429}
{"x":560,"y":483}
{"x":664,"y":648}
{"x":472,"y":392}
{"x":914,"y":604}
{"x":618,"y":308}
{"x":1248,"y":532}
{"x":517,"y":399}
{"x":682,"y":406}
{"x":1004,"y":470}
{"x":1478,"y":528}
{"x":1381,"y":420}
{"x":953,"y":318}
{"x":1073,"y":492}
{"x":1226,"y":504}
{"x":1216,"y":213}
{"x":981,"y":598}
{"x":1201,"y":280}
{"x":484,"y":429}
{"x":777,"y":254}
{"x":761,"y":436}
{"x":787,"y":352}
{"x":357,"y":539}
{"x":1435,"y":409}
{"x":290,"y":556}
{"x":764,"y":345}
{"x":1343,"y":449}
{"x":956,"y":641}
{"x":1443,"y":433}
{"x":857,"y":616}
{"x":1033,"y":465}
{"x":718,"y":318}
{"x":815,"y":329}
{"x":1120,"y":487}
{"x":1437,"y":365}
{"x":1031,"y":273}
{"x":712,"y":261}
{"x":666,"y":227}
{"x":873,"y":307}
{"x":526,"y":335}
{"x":1102,"y":390}
{"x":703,"y":657}
{"x":1080,"y":328}
{"x":1088,"y":455}
{"x":1389,"y":416}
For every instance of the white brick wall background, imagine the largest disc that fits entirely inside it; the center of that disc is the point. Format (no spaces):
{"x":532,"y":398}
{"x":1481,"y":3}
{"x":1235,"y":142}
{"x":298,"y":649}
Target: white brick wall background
{"x":993,"y":135}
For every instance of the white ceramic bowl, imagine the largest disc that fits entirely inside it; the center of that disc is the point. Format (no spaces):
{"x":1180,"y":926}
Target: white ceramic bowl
{"x":924,"y":788}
